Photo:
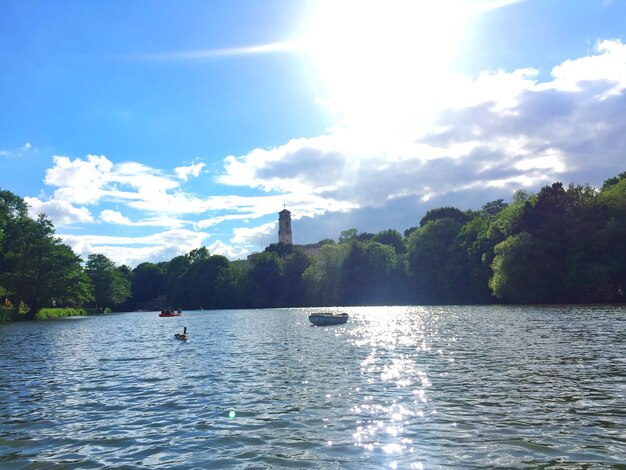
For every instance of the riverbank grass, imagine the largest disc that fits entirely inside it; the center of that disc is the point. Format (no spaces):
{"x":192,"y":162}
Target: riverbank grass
{"x":48,"y":313}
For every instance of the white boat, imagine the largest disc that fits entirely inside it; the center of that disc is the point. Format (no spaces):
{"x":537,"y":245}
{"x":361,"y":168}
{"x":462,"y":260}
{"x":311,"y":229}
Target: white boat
{"x":324,"y":319}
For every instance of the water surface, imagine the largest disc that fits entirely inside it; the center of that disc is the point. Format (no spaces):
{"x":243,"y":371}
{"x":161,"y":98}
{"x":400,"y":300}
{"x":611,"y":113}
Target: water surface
{"x":395,"y":387}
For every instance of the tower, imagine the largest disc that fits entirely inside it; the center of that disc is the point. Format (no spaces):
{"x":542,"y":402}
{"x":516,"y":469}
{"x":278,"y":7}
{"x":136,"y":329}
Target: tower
{"x":284,"y":227}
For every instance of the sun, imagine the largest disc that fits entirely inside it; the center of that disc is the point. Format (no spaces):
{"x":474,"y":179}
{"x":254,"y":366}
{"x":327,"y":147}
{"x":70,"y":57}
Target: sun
{"x":371,"y":55}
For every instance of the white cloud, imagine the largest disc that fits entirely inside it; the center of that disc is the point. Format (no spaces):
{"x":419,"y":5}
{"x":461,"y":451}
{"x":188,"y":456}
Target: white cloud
{"x":79,"y":181}
{"x":510,"y":128}
{"x":134,"y":250}
{"x":478,"y":139}
{"x":95,"y":179}
{"x":16,"y":152}
{"x":114,"y":217}
{"x":609,"y":65}
{"x":230,"y":252}
{"x":61,"y":212}
{"x":184,"y":172}
{"x":246,"y":235}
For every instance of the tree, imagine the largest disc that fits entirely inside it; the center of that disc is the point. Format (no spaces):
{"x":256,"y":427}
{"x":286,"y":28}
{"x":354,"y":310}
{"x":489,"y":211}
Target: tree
{"x":429,"y":259}
{"x":111,"y":287}
{"x":66,"y":284}
{"x":347,"y":235}
{"x":613,"y":181}
{"x":36,"y":269}
{"x":200,"y":285}
{"x":265,"y":277}
{"x":174,"y":269}
{"x":391,"y":238}
{"x":353,"y":275}
{"x":321,"y":278}
{"x":281,"y":249}
{"x":444,"y":213}
{"x":147,"y":283}
{"x":524,"y":270}
{"x":494,"y":207}
{"x":294,"y":266}
{"x":198,"y":254}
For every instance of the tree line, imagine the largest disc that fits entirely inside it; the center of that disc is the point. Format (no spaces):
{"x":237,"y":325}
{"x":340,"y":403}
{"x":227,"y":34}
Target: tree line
{"x":560,"y":245}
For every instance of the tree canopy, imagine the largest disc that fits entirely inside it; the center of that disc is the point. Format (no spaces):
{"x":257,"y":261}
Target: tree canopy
{"x":562,"y":244}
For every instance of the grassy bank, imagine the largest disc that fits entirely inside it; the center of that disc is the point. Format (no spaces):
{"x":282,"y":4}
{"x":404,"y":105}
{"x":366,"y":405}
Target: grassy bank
{"x":5,"y":314}
{"x":48,"y":313}
{"x":8,"y":314}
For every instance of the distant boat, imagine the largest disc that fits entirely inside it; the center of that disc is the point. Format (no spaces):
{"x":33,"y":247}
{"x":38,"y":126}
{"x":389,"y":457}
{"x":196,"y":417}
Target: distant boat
{"x":182,"y":336}
{"x":324,"y":319}
{"x":170,"y":313}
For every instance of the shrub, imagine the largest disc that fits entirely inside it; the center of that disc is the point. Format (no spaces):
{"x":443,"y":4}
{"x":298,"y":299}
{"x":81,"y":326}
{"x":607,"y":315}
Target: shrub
{"x":48,"y":313}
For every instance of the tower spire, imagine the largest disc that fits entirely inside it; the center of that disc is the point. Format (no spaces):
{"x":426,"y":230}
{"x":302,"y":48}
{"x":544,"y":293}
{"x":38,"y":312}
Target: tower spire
{"x":284,"y":226}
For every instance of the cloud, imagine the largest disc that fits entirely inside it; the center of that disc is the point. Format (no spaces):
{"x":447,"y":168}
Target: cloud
{"x":17,"y":152}
{"x":114,"y":217}
{"x":608,"y":67}
{"x":79,"y":181}
{"x":61,"y":212}
{"x":96,"y":179}
{"x":479,"y":139}
{"x":204,"y":54}
{"x":184,"y":172}
{"x":134,"y":250}
{"x":506,"y":131}
{"x":245,"y":235}
{"x":219,"y":248}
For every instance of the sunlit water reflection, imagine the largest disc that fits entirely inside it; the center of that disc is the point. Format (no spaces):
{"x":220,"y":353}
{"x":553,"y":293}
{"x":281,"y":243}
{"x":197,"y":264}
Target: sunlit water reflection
{"x":395,"y":387}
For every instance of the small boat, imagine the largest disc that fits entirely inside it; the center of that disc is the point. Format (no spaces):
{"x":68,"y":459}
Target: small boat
{"x":182,"y":336}
{"x":170,"y":313}
{"x":324,"y":319}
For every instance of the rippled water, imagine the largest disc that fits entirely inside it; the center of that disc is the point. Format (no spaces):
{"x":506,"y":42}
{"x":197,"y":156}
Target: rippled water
{"x":395,"y":387}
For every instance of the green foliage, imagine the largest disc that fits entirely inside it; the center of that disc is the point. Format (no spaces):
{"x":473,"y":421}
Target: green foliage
{"x":5,"y":314}
{"x":321,"y":278}
{"x":522,"y":270}
{"x":111,"y":286}
{"x":36,"y":269}
{"x":347,"y":235}
{"x":391,"y":238}
{"x":147,"y":282}
{"x":613,"y":181}
{"x":292,"y":285}
{"x":281,"y":249}
{"x":264,"y":277}
{"x":444,"y":213}
{"x":431,"y":258}
{"x":49,"y":313}
{"x":494,"y":207}
{"x":559,"y":245}
{"x":202,"y":284}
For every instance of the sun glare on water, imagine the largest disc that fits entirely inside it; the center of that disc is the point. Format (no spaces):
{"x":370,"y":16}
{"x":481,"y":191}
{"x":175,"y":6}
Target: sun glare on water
{"x":374,"y":55}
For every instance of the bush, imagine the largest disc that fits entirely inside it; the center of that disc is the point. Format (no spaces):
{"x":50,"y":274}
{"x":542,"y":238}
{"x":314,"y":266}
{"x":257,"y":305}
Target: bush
{"x":48,"y":313}
{"x":5,"y":314}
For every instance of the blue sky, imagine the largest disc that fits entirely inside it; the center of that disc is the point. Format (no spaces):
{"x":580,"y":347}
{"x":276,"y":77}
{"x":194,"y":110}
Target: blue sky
{"x":145,"y":129}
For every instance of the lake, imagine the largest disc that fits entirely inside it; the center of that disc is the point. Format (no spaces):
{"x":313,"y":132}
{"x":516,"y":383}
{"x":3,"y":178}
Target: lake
{"x":395,"y":387}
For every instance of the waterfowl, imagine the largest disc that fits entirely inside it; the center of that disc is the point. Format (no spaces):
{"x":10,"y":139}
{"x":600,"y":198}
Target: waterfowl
{"x":182,"y":336}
